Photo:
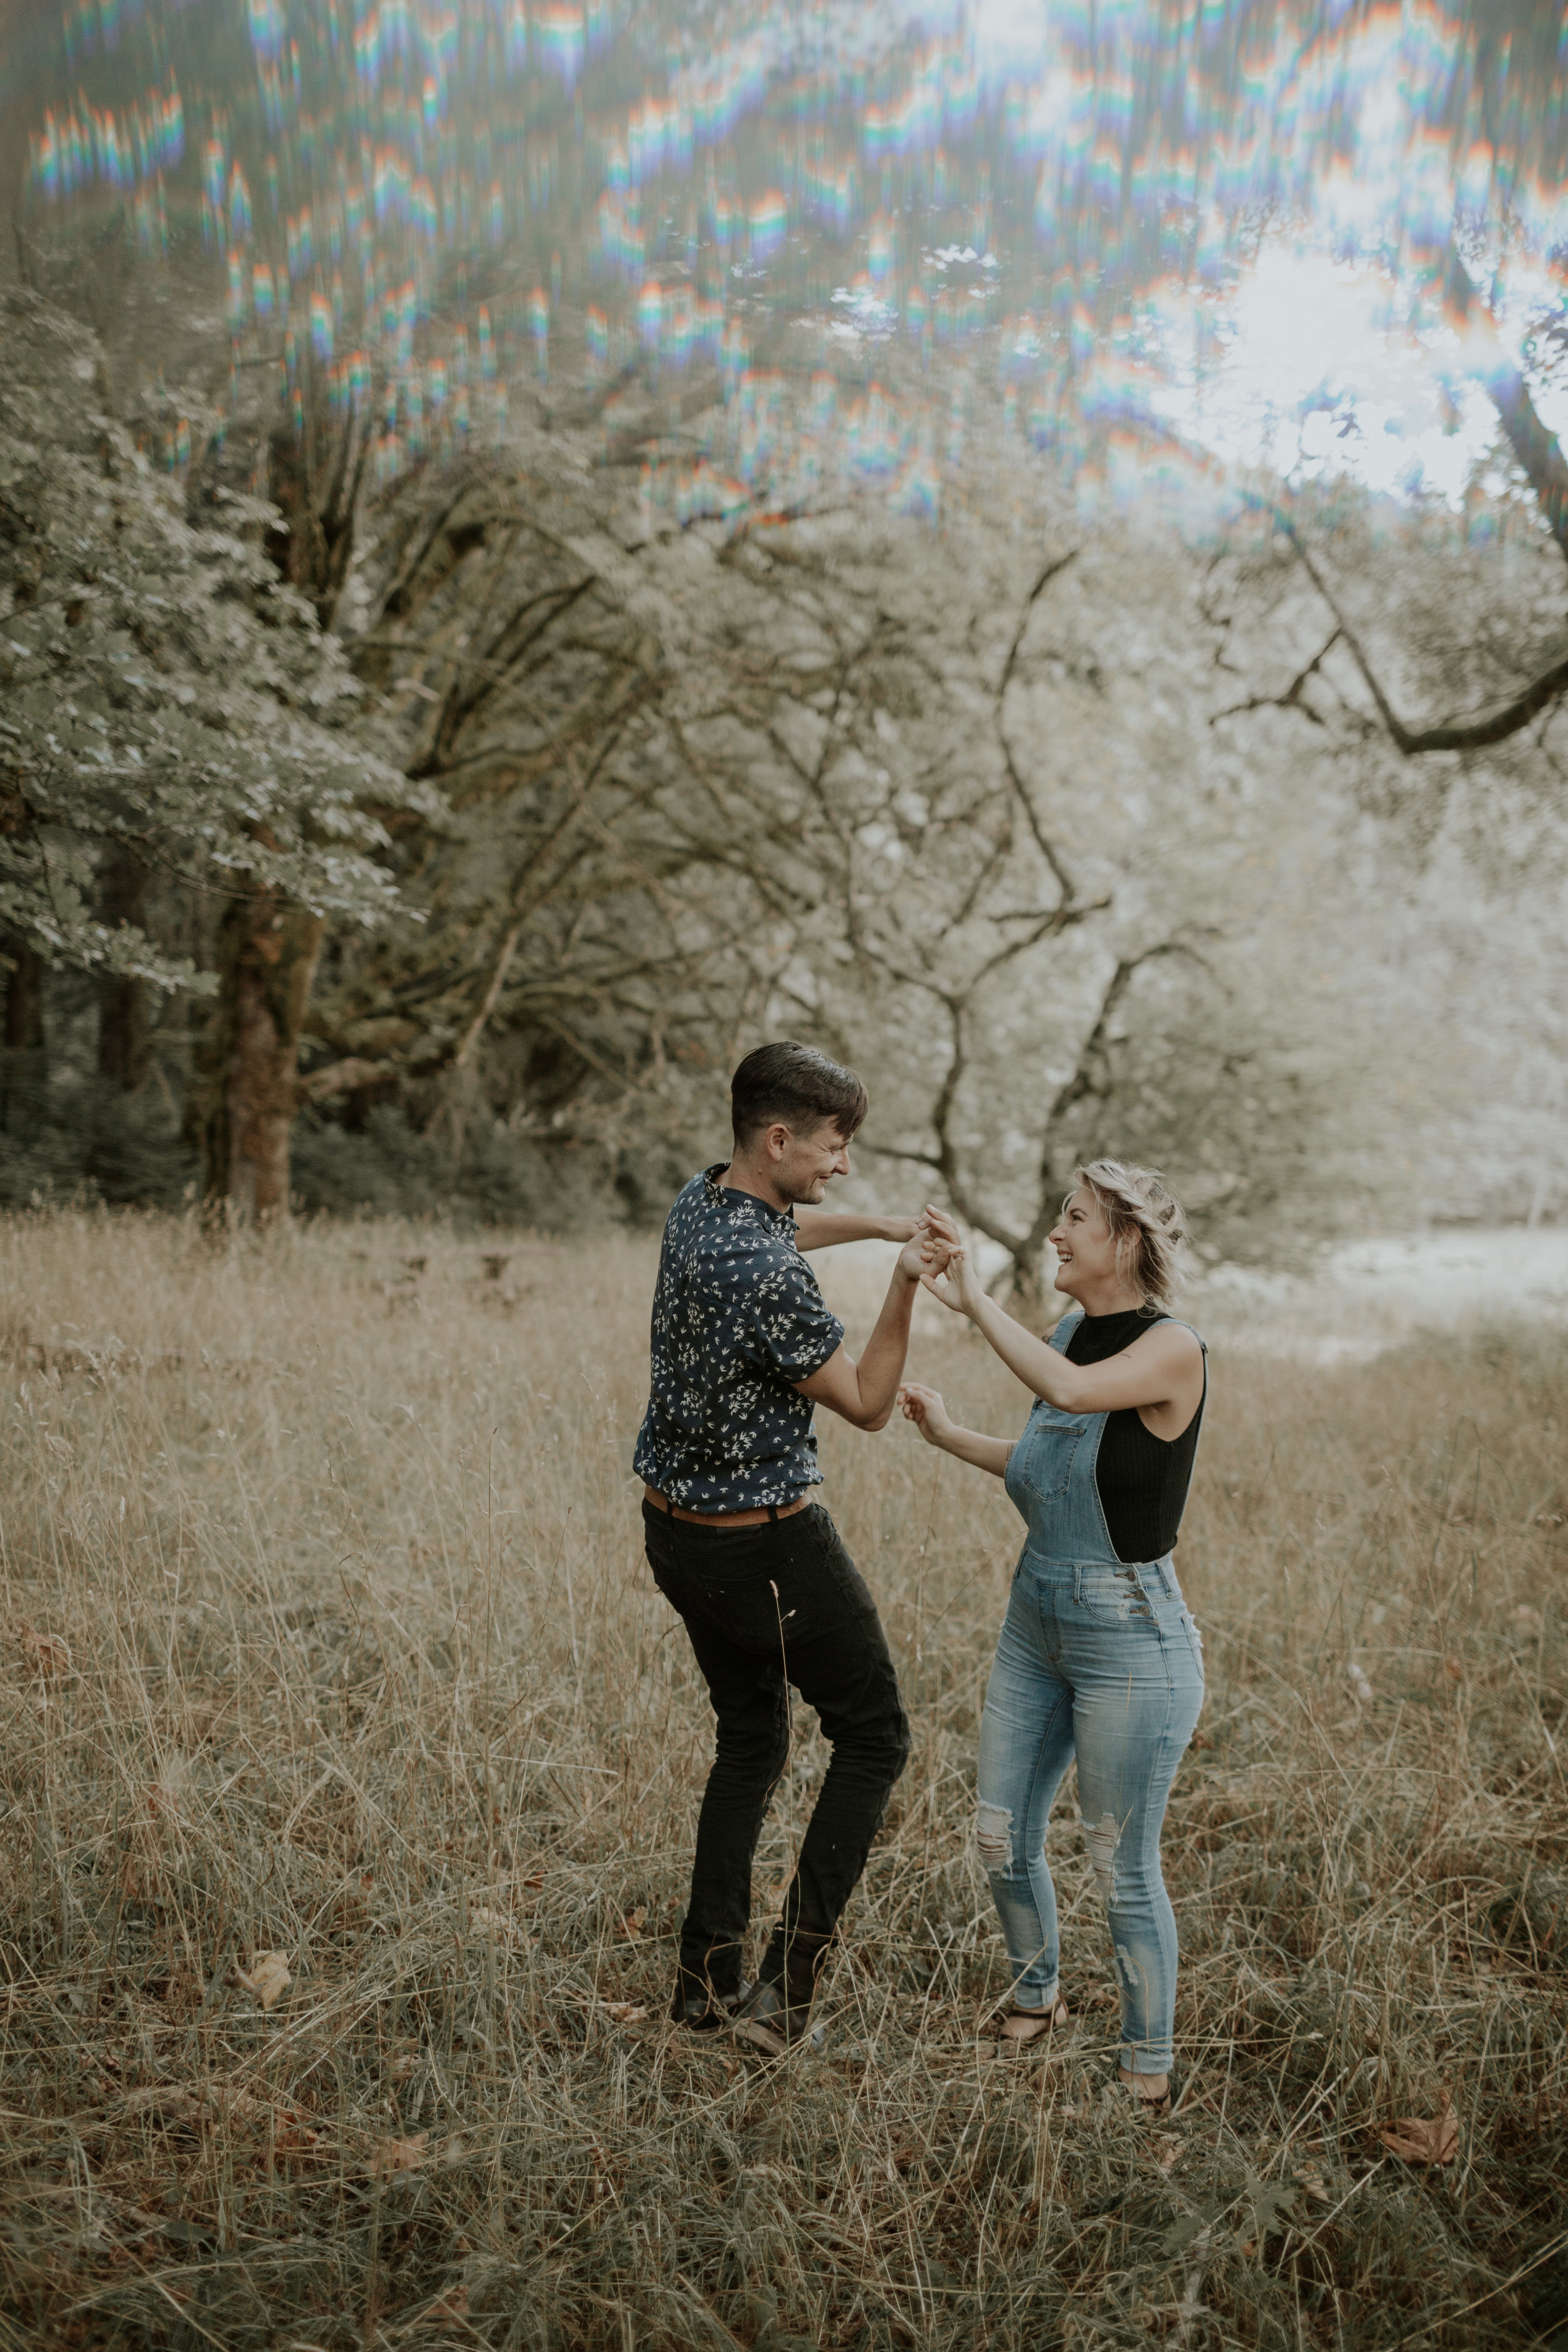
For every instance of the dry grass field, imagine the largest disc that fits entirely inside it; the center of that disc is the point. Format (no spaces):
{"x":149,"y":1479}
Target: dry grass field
{"x":351,"y":1763}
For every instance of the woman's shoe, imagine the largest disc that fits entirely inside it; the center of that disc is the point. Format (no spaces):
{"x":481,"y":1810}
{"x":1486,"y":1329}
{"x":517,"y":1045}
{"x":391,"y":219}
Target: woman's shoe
{"x":1021,"y":2026}
{"x":1146,"y":2106}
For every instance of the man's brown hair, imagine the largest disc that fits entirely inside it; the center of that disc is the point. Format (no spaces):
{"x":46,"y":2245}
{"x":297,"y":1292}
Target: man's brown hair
{"x":797,"y":1085}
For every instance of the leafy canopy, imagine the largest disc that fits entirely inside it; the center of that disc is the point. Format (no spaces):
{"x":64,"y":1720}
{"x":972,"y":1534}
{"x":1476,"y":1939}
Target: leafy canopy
{"x":161,"y":688}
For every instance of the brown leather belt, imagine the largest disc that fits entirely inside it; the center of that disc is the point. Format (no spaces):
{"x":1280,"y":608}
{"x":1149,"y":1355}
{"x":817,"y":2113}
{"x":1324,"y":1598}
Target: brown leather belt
{"x":760,"y":1518}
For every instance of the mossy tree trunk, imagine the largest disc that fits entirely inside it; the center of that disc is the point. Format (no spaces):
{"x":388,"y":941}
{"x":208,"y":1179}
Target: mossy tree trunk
{"x":249,"y":1081}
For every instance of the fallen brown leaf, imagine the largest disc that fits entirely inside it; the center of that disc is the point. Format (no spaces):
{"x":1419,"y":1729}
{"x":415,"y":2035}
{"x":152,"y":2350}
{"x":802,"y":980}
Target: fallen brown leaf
{"x":452,"y":2308}
{"x":626,"y":2013}
{"x":636,"y":1920}
{"x":1424,"y":2139}
{"x":399,"y":2156}
{"x":47,"y":1651}
{"x":268,"y":1978}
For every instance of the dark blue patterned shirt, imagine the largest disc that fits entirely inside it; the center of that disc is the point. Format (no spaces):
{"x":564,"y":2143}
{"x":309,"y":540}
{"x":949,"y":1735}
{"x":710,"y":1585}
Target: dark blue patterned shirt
{"x":737,"y":1319}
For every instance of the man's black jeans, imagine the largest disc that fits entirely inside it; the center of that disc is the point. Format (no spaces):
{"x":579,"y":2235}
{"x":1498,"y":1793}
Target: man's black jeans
{"x":760,"y":1604}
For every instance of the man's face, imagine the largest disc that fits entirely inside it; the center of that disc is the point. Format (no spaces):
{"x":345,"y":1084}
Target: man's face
{"x":802,"y":1164}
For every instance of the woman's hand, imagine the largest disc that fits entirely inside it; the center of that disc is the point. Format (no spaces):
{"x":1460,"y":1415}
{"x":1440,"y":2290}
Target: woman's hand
{"x":932,"y":1238}
{"x":925,"y":1408}
{"x":956,"y":1283}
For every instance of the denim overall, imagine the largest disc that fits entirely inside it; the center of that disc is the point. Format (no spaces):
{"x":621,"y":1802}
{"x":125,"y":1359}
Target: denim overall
{"x":1097,"y":1658}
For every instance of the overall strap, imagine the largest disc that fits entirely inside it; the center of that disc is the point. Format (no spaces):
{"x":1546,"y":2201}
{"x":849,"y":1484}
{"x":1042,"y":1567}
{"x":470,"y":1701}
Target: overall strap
{"x":1062,"y":1331}
{"x":1182,"y":1326}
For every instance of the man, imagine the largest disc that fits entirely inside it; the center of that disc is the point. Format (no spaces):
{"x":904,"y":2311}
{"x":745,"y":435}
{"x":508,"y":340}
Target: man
{"x":743,"y":1347}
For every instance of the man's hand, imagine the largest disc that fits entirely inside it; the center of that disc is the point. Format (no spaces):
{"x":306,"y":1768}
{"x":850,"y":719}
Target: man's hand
{"x":935,"y":1239}
{"x":925,"y":1408}
{"x":912,"y":1257}
{"x":932,"y":1238}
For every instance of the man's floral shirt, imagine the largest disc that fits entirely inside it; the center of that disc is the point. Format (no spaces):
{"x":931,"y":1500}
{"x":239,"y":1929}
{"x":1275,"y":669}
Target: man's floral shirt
{"x":737,"y":1319}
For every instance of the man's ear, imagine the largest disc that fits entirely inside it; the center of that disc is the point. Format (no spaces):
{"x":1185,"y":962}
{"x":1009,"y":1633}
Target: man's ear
{"x":777,"y":1140}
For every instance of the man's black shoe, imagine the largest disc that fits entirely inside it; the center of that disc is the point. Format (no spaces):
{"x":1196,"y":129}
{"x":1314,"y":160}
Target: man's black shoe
{"x":703,"y":2012}
{"x":770,"y":2019}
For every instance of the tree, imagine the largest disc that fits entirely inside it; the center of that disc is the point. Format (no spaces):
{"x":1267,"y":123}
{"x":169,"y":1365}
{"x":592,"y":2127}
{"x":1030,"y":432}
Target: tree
{"x":169,"y":705}
{"x":953,"y":803}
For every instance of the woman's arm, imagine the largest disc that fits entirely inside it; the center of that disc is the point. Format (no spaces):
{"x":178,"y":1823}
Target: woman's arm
{"x":925,"y":1408}
{"x":1163,"y":1368}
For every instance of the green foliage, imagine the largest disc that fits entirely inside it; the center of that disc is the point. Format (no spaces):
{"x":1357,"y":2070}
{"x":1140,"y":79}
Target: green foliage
{"x":87,"y":1139}
{"x":162,"y":688}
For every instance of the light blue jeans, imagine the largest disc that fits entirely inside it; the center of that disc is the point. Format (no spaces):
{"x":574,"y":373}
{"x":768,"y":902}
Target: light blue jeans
{"x":1103,"y":1661}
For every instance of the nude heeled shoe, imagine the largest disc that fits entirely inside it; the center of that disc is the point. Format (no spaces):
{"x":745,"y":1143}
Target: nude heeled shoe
{"x":1021,"y":2026}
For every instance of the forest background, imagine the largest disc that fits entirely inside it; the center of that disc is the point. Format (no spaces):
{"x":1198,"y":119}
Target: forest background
{"x":542,"y":543}
{"x":569,"y":604}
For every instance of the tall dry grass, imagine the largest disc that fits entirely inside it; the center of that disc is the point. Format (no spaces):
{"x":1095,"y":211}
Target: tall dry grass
{"x":326,"y":1634}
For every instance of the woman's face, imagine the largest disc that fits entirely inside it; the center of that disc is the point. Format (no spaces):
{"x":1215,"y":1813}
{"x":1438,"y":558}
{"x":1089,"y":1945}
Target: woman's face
{"x":1086,"y":1252}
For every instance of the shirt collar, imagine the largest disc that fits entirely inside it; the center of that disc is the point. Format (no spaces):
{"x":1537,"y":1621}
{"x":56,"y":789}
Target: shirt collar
{"x":715,"y":1194}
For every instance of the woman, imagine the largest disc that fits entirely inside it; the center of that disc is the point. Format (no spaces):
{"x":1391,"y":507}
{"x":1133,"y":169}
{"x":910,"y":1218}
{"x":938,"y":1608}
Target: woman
{"x":1098,"y":1656}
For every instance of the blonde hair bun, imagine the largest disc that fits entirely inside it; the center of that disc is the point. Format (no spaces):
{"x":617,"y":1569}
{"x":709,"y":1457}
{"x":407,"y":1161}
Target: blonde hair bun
{"x":1146,"y":1221}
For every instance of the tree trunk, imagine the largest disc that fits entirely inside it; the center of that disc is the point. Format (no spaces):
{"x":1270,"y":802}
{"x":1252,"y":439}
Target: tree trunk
{"x":250,"y":1058}
{"x":24,"y":999}
{"x":22,"y":989}
{"x":125,"y":1028}
{"x":314,"y":481}
{"x":1534,"y":445}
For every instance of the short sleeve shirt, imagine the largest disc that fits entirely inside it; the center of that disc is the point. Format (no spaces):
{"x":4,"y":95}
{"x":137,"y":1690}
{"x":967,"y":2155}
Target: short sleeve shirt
{"x":737,"y":1319}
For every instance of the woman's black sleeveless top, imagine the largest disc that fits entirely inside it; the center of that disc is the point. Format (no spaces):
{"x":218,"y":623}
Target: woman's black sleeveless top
{"x":1142,"y":1479}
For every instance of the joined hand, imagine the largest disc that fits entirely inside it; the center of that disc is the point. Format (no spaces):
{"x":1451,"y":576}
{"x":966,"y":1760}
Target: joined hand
{"x":951,"y":1277}
{"x":933,"y":1237}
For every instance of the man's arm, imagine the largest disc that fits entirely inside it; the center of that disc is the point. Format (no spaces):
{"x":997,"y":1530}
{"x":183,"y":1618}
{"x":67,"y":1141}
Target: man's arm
{"x":864,"y":1393}
{"x":820,"y":1228}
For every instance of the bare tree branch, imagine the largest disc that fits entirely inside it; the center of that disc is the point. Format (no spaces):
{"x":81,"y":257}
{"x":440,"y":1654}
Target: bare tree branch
{"x":1079,"y":1083}
{"x":1045,"y":847}
{"x":1292,"y":697}
{"x":1451,"y":735}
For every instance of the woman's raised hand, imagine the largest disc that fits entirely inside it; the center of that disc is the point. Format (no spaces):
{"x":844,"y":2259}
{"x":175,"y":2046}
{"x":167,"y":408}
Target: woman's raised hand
{"x":955,"y":1282}
{"x":925,"y":1408}
{"x":934,"y":1237}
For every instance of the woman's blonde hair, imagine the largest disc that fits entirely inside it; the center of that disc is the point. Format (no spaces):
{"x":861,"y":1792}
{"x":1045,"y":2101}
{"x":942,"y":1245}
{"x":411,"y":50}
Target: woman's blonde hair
{"x":1146,"y":1223}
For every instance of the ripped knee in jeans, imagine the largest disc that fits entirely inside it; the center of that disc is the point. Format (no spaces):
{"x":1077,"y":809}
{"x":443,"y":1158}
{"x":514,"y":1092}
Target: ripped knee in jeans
{"x":994,"y":1836}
